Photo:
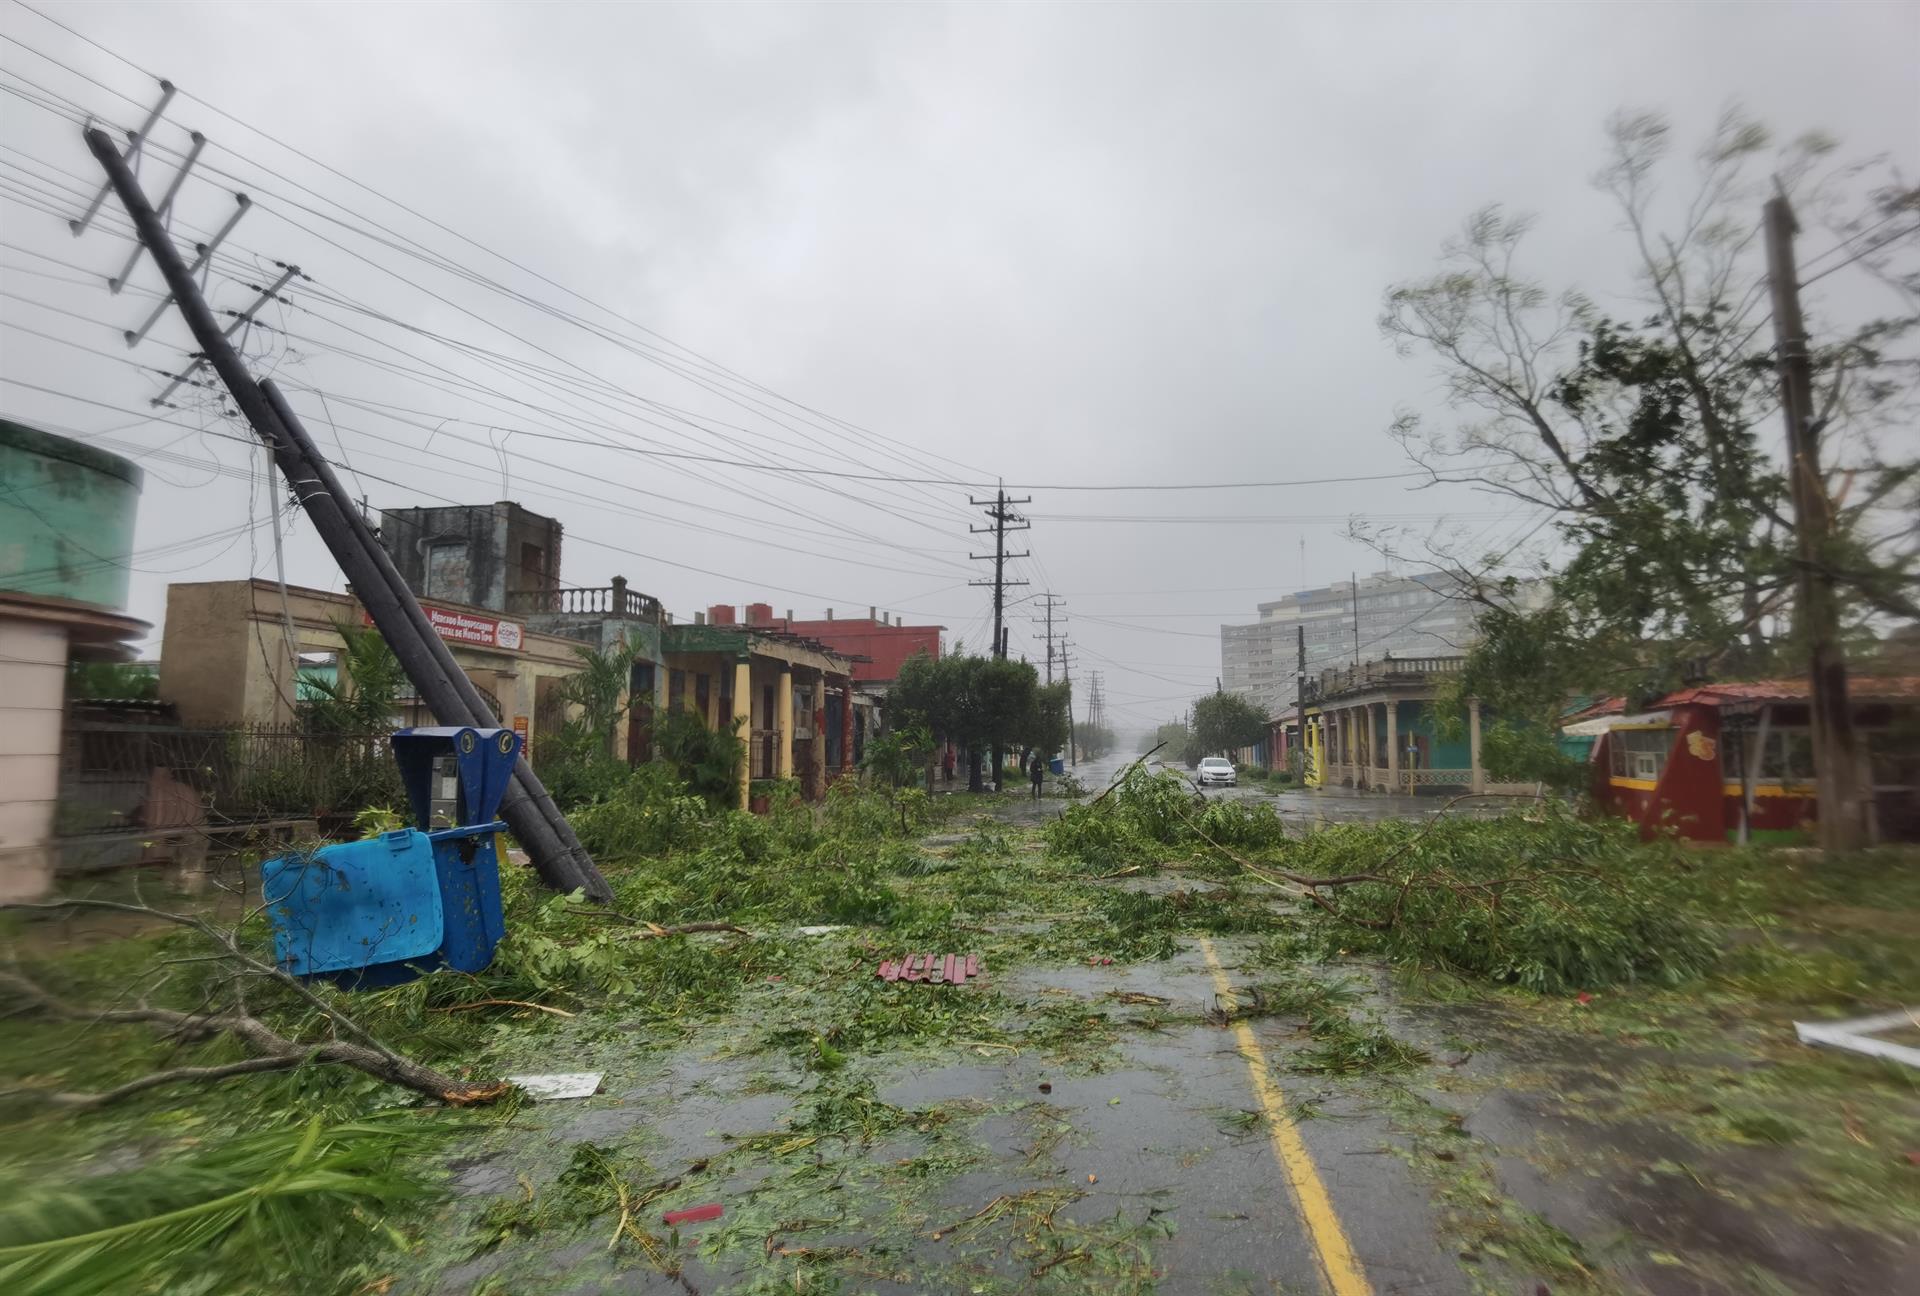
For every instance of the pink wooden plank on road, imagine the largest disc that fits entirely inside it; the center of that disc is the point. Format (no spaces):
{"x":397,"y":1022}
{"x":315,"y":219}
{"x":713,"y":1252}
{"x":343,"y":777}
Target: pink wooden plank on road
{"x":936,"y":969}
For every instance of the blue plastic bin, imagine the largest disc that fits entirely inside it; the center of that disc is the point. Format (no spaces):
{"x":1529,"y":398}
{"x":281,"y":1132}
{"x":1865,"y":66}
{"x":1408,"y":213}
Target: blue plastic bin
{"x":382,"y":911}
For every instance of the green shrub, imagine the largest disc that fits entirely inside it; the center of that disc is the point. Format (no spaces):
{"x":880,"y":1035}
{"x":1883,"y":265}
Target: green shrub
{"x":649,"y":812}
{"x":576,"y":769}
{"x":707,"y":760}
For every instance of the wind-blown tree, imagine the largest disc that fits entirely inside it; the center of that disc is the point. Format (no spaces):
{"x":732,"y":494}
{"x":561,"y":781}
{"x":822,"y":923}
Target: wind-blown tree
{"x":1647,"y":438}
{"x":1006,"y":694}
{"x":1171,"y":737}
{"x":930,"y":693}
{"x":1046,"y":728}
{"x":1223,"y":721}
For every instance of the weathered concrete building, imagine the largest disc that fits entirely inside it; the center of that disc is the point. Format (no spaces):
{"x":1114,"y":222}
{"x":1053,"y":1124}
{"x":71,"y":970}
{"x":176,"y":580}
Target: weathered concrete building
{"x":226,"y":657}
{"x":481,"y":555}
{"x":66,"y":542}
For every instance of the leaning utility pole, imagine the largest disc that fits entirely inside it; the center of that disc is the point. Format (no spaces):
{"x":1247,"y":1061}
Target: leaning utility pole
{"x":1004,"y":520}
{"x":529,"y":811}
{"x":1836,"y":752}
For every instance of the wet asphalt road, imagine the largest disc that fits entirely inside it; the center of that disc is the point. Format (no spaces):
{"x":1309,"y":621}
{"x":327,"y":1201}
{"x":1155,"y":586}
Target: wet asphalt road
{"x":1304,"y":807}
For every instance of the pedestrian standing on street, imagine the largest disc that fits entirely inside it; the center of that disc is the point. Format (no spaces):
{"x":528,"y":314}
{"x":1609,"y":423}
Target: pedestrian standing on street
{"x":1036,"y":770}
{"x":946,"y":763}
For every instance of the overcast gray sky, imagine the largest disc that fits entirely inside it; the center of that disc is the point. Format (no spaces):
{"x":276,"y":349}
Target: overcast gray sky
{"x":1056,"y":244}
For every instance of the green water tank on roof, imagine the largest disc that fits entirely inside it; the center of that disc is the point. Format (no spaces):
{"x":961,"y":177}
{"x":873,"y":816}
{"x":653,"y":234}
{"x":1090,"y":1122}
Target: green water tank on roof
{"x":66,"y":517}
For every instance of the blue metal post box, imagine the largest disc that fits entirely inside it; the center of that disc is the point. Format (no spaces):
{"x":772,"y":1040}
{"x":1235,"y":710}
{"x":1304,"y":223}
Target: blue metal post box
{"x":382,"y":911}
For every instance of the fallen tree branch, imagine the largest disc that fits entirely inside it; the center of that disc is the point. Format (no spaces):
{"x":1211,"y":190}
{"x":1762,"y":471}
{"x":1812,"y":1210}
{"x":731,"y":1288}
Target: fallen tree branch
{"x":176,"y":1075}
{"x":1121,"y":777}
{"x":351,"y":1046}
{"x":1490,"y":892}
{"x":654,"y":931}
{"x":501,"y":1003}
{"x":229,"y":944}
{"x":275,"y":1052}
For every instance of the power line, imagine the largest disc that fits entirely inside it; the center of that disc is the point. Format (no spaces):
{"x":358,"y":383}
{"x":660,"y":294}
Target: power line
{"x":1895,"y":237}
{"x":245,"y":125}
{"x":439,"y":261}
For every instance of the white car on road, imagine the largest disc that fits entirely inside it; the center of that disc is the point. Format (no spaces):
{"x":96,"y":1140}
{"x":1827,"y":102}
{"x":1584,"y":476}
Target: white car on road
{"x":1217,"y":769}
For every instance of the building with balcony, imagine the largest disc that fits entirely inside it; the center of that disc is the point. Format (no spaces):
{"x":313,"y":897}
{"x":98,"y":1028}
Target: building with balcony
{"x":1402,"y":616}
{"x":1374,"y":727}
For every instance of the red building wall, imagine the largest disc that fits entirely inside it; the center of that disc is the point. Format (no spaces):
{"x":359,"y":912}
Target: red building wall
{"x":888,"y":645}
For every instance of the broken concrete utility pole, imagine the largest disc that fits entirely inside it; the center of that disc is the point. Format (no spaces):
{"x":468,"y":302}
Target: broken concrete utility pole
{"x":529,"y":811}
{"x":1836,"y":750}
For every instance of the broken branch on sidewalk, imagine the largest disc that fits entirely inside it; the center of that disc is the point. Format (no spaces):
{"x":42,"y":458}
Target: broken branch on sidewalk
{"x":224,"y":1012}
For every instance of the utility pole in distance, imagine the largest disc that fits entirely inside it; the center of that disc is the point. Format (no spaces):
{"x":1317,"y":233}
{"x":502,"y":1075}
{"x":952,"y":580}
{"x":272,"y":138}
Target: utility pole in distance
{"x":1836,"y":751}
{"x":999,"y":508}
{"x":1050,"y":604}
{"x":1354,"y":580}
{"x":1066,"y":673}
{"x":1300,"y":702}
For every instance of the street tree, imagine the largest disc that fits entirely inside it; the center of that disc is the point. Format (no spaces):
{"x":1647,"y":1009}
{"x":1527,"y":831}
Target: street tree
{"x":1223,"y":721}
{"x":1046,"y":730}
{"x":599,"y":689}
{"x":1006,"y":696}
{"x":1173,"y":737}
{"x":976,"y":702}
{"x":1097,"y":740}
{"x":365,"y":688}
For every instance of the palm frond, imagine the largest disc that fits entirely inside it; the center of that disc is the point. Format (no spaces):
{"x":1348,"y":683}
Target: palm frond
{"x":243,"y":1213}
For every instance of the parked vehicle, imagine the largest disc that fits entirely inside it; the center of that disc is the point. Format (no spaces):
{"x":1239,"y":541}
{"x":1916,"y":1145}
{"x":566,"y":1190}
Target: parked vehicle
{"x":1217,"y":769}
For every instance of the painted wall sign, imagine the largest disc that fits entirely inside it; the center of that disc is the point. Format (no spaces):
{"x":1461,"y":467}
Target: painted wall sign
{"x":464,"y":627}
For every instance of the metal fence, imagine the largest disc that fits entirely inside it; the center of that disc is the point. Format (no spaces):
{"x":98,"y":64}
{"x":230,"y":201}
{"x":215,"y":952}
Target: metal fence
{"x":116,"y":777}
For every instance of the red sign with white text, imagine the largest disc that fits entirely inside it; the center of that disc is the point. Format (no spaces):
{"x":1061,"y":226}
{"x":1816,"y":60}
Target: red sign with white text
{"x":464,"y":627}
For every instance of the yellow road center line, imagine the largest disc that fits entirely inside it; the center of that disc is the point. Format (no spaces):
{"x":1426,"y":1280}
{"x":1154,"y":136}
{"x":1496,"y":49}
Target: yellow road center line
{"x":1338,"y":1264}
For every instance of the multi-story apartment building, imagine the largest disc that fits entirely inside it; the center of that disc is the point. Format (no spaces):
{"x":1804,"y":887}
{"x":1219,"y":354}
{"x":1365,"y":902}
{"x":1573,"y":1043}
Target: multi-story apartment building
{"x":1403,"y":616}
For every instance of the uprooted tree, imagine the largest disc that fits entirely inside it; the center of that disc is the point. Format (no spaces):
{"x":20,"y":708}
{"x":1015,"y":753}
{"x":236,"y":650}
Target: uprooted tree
{"x":1644,"y":435}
